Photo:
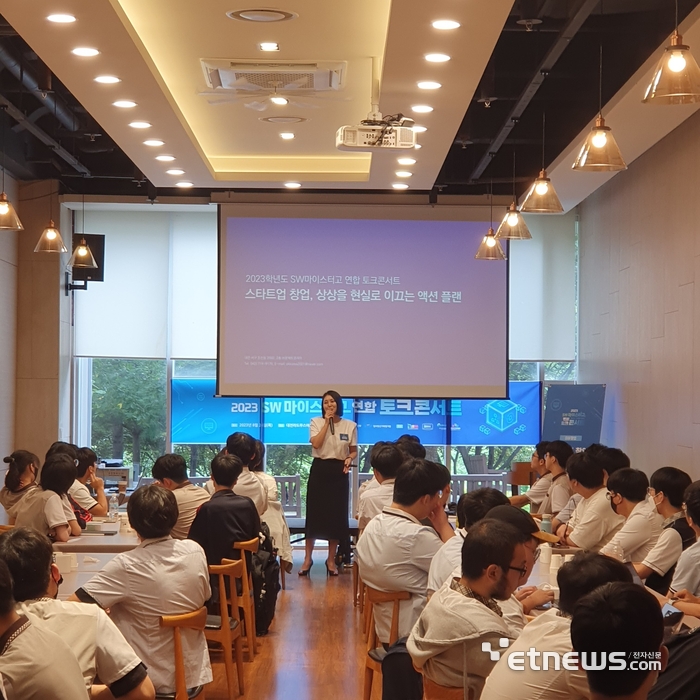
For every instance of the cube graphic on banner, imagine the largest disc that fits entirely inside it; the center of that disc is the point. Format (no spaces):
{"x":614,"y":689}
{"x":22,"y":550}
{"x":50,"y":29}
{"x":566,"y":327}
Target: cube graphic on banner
{"x":501,"y":414}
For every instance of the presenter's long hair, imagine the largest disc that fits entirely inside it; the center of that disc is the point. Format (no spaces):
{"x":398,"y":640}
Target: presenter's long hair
{"x":338,"y":403}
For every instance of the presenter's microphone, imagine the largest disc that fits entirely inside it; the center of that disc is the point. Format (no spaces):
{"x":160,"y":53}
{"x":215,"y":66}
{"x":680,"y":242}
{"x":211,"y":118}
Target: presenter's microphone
{"x":332,"y":426}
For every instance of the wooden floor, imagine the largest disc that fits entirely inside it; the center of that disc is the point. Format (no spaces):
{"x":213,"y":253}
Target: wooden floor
{"x":314,"y":649}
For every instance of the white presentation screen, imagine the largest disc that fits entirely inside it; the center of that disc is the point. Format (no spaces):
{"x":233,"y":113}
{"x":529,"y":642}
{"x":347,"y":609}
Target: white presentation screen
{"x":374,"y":308}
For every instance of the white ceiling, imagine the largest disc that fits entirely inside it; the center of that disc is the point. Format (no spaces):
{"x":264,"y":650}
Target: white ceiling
{"x":155,"y":48}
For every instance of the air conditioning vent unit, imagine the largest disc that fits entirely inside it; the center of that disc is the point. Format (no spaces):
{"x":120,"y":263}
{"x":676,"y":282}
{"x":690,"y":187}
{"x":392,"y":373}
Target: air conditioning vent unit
{"x":268,"y":76}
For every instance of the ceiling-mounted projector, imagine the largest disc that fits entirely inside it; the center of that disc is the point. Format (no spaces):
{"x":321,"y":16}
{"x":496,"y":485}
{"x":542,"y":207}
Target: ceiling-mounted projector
{"x":392,"y":132}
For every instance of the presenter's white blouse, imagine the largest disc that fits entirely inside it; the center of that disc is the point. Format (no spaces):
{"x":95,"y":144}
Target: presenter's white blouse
{"x":334,"y":446}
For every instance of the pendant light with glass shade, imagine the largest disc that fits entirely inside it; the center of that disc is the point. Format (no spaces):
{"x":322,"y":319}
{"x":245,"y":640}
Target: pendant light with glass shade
{"x":82,"y":255}
{"x":676,"y":80}
{"x":513,"y":226}
{"x":541,"y":198}
{"x":600,"y":152}
{"x":9,"y":221}
{"x":490,"y":248}
{"x":50,"y":240}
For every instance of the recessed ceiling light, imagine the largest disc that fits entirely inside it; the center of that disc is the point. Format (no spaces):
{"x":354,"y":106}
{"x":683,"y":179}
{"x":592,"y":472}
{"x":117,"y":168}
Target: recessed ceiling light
{"x":140,"y":125}
{"x":153,"y":142}
{"x":61,"y":18}
{"x":293,"y":185}
{"x":446,"y":24}
{"x":287,"y":135}
{"x":419,"y":129}
{"x":422,"y":109}
{"x":175,"y":171}
{"x":429,"y":85}
{"x":256,"y":15}
{"x":124,"y":104}
{"x":279,"y":100}
{"x":184,"y":184}
{"x":165,"y":159}
{"x":269,"y":46}
{"x":85,"y":51}
{"x":406,"y":161}
{"x":403,"y":173}
{"x":107,"y":79}
{"x":400,"y":186}
{"x":437,"y":57}
{"x":283,"y":120}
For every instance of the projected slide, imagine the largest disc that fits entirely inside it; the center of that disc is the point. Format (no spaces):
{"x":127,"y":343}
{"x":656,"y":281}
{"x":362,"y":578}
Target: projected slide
{"x":378,"y":308}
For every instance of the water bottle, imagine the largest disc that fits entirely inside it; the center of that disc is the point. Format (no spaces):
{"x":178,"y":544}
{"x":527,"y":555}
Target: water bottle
{"x":113,"y":508}
{"x":546,"y":525}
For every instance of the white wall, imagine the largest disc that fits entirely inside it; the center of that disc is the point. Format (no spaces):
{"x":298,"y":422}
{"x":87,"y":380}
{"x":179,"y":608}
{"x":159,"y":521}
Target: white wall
{"x":640,"y":303}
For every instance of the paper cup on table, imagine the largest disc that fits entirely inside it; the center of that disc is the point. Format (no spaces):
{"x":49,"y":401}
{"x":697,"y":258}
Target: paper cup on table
{"x":63,"y":562}
{"x":73,"y":561}
{"x":555,"y":563}
{"x":569,"y":557}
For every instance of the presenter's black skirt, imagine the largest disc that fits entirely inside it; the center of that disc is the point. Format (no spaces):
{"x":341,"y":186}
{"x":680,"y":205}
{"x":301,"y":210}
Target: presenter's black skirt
{"x":327,"y":495}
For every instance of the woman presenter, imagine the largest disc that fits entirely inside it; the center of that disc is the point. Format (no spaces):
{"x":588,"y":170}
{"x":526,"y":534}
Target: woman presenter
{"x":334,"y":446}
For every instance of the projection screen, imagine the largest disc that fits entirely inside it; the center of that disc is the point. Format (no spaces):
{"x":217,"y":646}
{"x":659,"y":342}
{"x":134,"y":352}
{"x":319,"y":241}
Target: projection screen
{"x":375,"y":307}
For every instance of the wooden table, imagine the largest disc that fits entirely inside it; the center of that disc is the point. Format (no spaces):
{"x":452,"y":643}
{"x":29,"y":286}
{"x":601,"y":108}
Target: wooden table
{"x":121,"y":542}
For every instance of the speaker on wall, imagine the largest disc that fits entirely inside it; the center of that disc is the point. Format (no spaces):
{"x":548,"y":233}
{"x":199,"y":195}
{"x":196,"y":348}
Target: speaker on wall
{"x":96,"y":241}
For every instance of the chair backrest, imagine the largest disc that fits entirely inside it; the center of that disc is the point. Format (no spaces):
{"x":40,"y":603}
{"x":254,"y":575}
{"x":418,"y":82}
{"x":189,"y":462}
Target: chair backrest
{"x":374,"y":596}
{"x":228,"y":604}
{"x":251,"y":546}
{"x":289,"y":489}
{"x":193,"y":621}
{"x":5,"y":528}
{"x":433,"y":691}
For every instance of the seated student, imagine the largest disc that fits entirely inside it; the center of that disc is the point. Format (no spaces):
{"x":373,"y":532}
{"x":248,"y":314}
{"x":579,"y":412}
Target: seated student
{"x":395,"y":550}
{"x":243,"y":446}
{"x":20,"y":478}
{"x":162,"y":576}
{"x":551,"y":631}
{"x":35,"y":663}
{"x":619,"y":617}
{"x":46,"y":508}
{"x":667,"y":486}
{"x":593,"y":523}
{"x":687,"y":574}
{"x":559,"y":492}
{"x":523,"y":601}
{"x":98,"y":645}
{"x":274,"y":515}
{"x":385,"y":459}
{"x":471,"y":508}
{"x":170,"y":471}
{"x":87,"y":466}
{"x":537,"y":492}
{"x":227,"y":517}
{"x":446,"y":641}
{"x":411,"y":446}
{"x":627,"y":489}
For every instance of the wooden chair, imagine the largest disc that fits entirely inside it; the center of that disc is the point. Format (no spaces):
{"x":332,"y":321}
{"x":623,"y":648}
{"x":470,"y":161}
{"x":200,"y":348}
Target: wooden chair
{"x":247,"y":601}
{"x":224,"y":629}
{"x":192,"y":621}
{"x":373,"y":660}
{"x":5,"y":528}
{"x":433,"y":691}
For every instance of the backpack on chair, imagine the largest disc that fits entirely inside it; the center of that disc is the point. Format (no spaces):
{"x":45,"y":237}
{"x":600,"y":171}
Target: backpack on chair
{"x":265,"y":572}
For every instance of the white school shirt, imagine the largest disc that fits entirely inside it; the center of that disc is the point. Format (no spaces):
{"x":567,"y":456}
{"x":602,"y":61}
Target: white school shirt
{"x":189,"y":498}
{"x":639,"y":534}
{"x":80,"y":493}
{"x":666,"y":551}
{"x":42,"y":510}
{"x":547,"y":632}
{"x":394,"y":554}
{"x":687,"y":573}
{"x":537,"y":492}
{"x":557,"y":496}
{"x":337,"y":445}
{"x":564,"y":515}
{"x":159,"y":577}
{"x":594,"y":523}
{"x":373,"y":501}
{"x":249,"y":485}
{"x":447,"y":562}
{"x":98,"y":645}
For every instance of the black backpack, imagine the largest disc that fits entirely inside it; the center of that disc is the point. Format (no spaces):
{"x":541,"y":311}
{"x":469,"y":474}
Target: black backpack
{"x":265,"y":572}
